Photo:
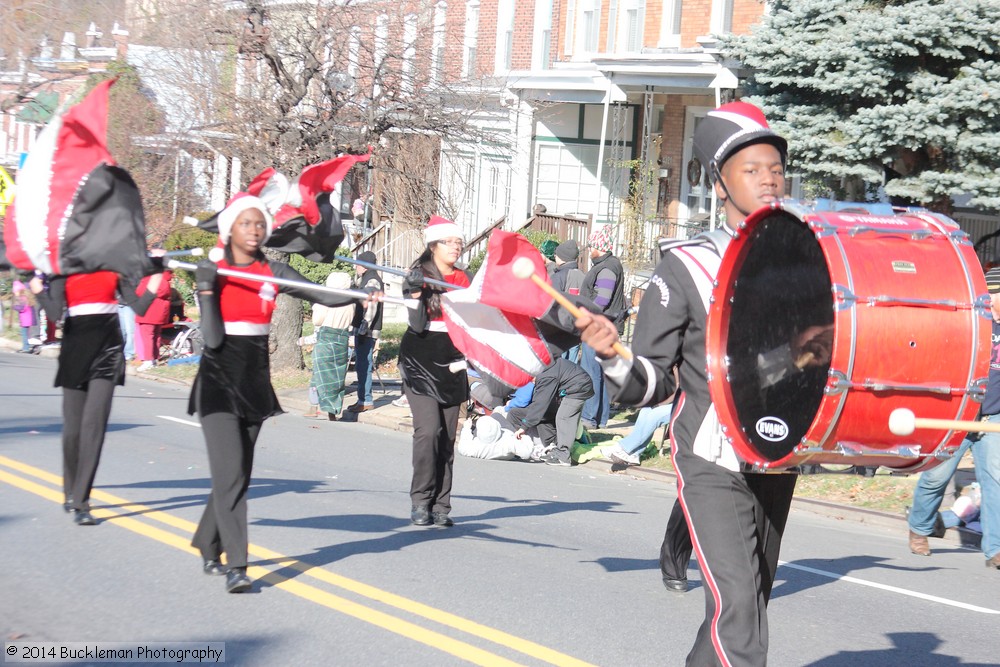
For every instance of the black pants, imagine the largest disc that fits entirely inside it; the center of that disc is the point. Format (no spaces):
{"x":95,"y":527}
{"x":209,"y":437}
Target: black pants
{"x":675,"y":552}
{"x":223,"y":526}
{"x":736,"y":522}
{"x":434,"y":428}
{"x":85,"y":421}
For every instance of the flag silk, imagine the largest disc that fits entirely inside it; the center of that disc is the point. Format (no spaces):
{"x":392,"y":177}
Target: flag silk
{"x":75,"y":211}
{"x":501,"y":288}
{"x":492,"y":322}
{"x":305,"y":221}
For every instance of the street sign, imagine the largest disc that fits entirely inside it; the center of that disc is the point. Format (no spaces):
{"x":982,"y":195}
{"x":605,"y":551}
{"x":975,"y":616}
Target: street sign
{"x":6,"y":190}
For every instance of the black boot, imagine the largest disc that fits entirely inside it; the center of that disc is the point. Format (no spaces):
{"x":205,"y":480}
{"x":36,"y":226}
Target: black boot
{"x":237,"y":580}
{"x":420,"y":515}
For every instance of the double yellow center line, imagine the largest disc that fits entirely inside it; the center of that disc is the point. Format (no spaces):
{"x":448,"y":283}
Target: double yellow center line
{"x":386,"y":621}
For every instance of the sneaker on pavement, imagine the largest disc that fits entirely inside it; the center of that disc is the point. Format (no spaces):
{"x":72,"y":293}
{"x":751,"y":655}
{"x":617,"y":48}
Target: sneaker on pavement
{"x":617,"y":453}
{"x":401,"y":402}
{"x":553,"y":459}
{"x":145,"y":366}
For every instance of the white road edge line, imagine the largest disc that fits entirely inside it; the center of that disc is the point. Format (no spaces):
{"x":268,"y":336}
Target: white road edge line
{"x":892,"y":589}
{"x":179,"y":421}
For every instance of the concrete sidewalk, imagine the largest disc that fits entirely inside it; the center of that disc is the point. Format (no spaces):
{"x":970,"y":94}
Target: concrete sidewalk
{"x":389,"y":416}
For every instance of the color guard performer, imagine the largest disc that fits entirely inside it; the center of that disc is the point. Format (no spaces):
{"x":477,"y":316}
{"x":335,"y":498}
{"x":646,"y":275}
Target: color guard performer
{"x":232,"y":392}
{"x":91,"y":364}
{"x":434,"y":375}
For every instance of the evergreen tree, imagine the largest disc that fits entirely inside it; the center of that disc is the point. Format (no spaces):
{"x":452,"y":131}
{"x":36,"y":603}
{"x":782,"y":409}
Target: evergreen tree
{"x":901,"y":91}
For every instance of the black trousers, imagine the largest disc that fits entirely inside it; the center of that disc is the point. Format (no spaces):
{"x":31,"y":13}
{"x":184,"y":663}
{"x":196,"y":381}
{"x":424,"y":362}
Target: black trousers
{"x":85,"y":421}
{"x":223,"y":527}
{"x":675,"y":552}
{"x":434,"y":429}
{"x":736,"y":522}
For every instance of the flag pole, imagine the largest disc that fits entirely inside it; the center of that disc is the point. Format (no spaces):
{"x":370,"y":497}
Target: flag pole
{"x":524,"y":269}
{"x":253,"y":277}
{"x":395,"y":272}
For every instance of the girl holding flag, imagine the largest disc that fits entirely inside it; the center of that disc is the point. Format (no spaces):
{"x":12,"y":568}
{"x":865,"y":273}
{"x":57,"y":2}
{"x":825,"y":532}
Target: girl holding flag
{"x":232,"y":392}
{"x":434,"y":375}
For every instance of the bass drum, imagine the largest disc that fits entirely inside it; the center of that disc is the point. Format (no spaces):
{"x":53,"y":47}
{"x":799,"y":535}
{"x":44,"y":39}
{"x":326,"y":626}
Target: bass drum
{"x":823,"y":322}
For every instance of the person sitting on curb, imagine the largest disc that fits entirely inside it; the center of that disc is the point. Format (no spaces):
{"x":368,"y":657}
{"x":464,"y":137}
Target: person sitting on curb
{"x":627,"y":450}
{"x":556,"y":404}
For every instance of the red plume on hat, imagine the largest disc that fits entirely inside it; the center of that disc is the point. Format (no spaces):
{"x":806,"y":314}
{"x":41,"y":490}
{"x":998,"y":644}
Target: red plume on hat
{"x":75,"y":210}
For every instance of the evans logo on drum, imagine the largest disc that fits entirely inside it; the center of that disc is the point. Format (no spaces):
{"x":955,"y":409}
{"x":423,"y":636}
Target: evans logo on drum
{"x":772,"y":429}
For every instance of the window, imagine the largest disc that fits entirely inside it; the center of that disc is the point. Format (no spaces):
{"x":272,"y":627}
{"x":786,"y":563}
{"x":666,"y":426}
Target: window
{"x":591,"y":26}
{"x":570,"y":24}
{"x":354,"y":56}
{"x":381,"y":47}
{"x":670,"y":24}
{"x":630,"y":27}
{"x":722,"y":17}
{"x":437,"y":43}
{"x":505,"y":36}
{"x":409,"y":52}
{"x":471,"y":38}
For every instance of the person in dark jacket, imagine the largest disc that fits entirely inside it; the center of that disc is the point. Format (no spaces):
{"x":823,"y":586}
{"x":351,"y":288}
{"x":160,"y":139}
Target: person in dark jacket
{"x":604,"y":284}
{"x":367,"y":329}
{"x":568,"y":277}
{"x":555,"y":407}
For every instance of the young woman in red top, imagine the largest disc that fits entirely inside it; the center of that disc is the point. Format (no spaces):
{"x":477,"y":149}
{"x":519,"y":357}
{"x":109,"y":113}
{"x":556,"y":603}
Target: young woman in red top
{"x":232,"y":392}
{"x":91,"y":364}
{"x":434,"y":375}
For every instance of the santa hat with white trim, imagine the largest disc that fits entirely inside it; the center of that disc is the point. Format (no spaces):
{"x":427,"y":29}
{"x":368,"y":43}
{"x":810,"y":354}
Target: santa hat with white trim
{"x":729,"y":129}
{"x":241,"y":202}
{"x":439,"y":228}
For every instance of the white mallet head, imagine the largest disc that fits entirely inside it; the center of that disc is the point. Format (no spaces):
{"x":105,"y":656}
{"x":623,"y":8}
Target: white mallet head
{"x":902,"y":421}
{"x":523,"y":268}
{"x":197,"y":252}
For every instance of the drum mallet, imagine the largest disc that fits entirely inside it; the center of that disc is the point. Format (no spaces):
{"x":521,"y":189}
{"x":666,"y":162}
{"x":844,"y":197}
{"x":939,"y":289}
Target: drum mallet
{"x":524,"y":269}
{"x":903,"y":422}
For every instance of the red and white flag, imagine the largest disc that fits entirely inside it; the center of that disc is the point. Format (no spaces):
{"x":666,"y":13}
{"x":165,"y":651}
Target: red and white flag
{"x":492,"y":322}
{"x":75,"y":210}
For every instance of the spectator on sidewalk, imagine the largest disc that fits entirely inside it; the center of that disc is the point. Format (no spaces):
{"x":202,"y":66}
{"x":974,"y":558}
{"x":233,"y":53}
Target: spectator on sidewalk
{"x":628,"y":449}
{"x":367,"y":329}
{"x":985,"y":446}
{"x":604,"y":284}
{"x":556,"y":403}
{"x":149,"y":325}
{"x":25,"y":306}
{"x":331,"y":353}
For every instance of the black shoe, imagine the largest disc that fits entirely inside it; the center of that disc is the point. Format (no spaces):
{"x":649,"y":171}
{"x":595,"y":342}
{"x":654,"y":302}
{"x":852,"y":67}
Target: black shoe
{"x":420,"y":515}
{"x":675,"y":585}
{"x":84,"y":518}
{"x":553,"y":459}
{"x":237,"y":580}
{"x":68,"y":505}
{"x":214,"y":567}
{"x":441,"y":519}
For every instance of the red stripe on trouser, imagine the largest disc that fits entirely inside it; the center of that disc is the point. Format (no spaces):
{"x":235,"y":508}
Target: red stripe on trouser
{"x":702,"y":561}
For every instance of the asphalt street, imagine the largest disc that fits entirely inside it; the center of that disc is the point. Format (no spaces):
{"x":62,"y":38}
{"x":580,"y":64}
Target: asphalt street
{"x":545,"y":565}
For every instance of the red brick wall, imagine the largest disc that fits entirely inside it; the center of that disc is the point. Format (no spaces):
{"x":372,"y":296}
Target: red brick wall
{"x":524,"y":28}
{"x":672,"y":148}
{"x":746,"y":13}
{"x":487,"y":44}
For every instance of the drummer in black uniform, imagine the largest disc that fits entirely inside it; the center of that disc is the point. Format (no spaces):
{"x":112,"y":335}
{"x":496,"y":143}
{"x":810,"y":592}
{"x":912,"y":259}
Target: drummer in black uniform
{"x":736,"y":518}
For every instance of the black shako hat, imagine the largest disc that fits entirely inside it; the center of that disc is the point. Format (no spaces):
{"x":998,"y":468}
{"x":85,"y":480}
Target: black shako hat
{"x":730,"y":128}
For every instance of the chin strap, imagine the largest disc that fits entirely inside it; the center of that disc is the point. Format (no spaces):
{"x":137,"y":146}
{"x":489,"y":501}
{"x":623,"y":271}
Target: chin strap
{"x":729,"y":197}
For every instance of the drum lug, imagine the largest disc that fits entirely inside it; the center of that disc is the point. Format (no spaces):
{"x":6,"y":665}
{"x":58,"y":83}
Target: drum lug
{"x":843,"y":298}
{"x":838,"y":383}
{"x":977,"y":389}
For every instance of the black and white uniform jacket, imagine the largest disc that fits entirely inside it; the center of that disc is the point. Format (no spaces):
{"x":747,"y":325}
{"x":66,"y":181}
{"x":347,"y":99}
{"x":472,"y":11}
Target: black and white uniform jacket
{"x":670,"y":331}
